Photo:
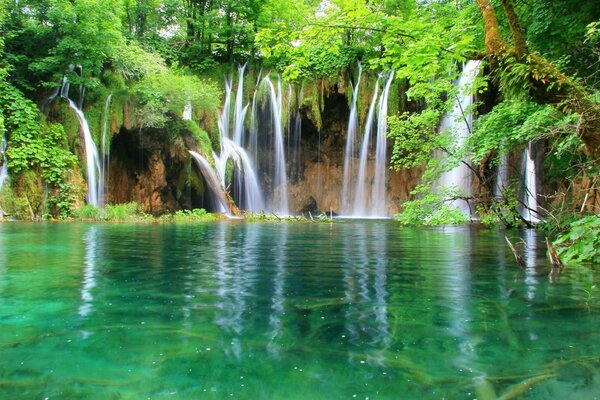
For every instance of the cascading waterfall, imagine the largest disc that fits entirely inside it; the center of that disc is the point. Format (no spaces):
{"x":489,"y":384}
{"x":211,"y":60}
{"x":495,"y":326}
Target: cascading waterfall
{"x":530,"y":186}
{"x":279,"y":201}
{"x":360,"y":198}
{"x":4,"y":168}
{"x":246,"y":186}
{"x":350,"y":149}
{"x":369,"y":194}
{"x":213,"y":181}
{"x":104,"y":154}
{"x":93,"y":168}
{"x":379,"y":206}
{"x":459,"y":121}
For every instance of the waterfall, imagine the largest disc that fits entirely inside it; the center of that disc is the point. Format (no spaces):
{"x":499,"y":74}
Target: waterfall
{"x":501,"y":177}
{"x":350,"y":152}
{"x":93,"y":168}
{"x":379,"y":206}
{"x":360,"y":197}
{"x":279,"y":200}
{"x":530,"y":186}
{"x":369,"y":194}
{"x":212,"y":181}
{"x":4,"y":168}
{"x":246,"y":180}
{"x":187,"y":112}
{"x":459,"y":122}
{"x":104,"y":153}
{"x":246,"y":188}
{"x":239,"y":112}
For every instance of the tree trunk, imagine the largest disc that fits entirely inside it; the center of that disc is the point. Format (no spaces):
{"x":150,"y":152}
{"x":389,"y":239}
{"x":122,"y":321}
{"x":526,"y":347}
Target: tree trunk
{"x":547,"y":85}
{"x":516,"y":29}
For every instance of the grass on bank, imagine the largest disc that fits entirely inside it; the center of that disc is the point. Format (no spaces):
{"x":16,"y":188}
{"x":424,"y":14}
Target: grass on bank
{"x":133,"y":212}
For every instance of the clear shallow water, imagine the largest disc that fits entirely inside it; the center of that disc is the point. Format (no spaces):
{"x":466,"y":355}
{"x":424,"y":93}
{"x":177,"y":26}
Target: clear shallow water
{"x":289,"y":311}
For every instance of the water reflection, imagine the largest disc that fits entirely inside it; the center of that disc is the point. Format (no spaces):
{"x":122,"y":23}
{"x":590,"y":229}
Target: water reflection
{"x":278,"y":296}
{"x":365,"y":287}
{"x":301,"y":310}
{"x":89,"y":273}
{"x":234,"y":273}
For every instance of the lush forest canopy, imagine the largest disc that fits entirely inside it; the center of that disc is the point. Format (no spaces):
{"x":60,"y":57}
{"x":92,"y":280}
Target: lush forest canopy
{"x":540,"y":81}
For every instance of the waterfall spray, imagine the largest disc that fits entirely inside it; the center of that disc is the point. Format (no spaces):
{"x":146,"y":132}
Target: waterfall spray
{"x":104,"y":154}
{"x":360,"y":193}
{"x":4,"y":168}
{"x":350,"y":151}
{"x":459,"y":120}
{"x":530,"y":186}
{"x":379,"y":206}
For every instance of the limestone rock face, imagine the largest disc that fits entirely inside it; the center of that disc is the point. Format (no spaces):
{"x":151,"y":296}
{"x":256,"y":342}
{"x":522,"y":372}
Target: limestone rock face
{"x":152,"y":171}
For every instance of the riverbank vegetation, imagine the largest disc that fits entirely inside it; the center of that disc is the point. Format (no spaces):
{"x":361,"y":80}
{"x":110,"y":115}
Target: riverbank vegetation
{"x":537,"y":87}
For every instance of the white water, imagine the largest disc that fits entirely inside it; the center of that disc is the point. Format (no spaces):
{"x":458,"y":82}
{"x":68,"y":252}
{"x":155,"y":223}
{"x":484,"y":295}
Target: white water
{"x":213,"y":182}
{"x":459,"y":122}
{"x":104,"y":154}
{"x":367,"y":191}
{"x":246,"y":182}
{"x":92,"y":159}
{"x":379,"y":205}
{"x":279,"y":198}
{"x":361,"y":193}
{"x":246,"y":179}
{"x":530,"y":186}
{"x":4,"y":168}
{"x":187,"y":112}
{"x":350,"y":150}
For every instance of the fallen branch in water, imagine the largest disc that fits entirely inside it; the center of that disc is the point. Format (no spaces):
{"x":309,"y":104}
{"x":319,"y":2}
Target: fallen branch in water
{"x":518,"y":389}
{"x":557,"y":264}
{"x":518,"y":257}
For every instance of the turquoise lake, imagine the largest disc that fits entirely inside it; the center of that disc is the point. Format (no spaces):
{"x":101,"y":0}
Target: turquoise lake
{"x":343,"y":310}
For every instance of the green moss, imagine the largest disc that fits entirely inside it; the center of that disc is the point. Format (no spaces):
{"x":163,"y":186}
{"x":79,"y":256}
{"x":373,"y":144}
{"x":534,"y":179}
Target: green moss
{"x":201,"y":137}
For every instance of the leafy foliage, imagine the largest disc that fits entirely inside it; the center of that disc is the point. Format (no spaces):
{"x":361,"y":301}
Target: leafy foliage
{"x":581,"y":244}
{"x":514,"y":122}
{"x":36,"y":145}
{"x":431,"y":209}
{"x":415,"y":138}
{"x":159,"y":94}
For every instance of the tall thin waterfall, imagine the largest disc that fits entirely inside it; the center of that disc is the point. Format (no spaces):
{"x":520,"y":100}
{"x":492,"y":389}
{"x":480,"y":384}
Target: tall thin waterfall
{"x":279,"y":201}
{"x":367,"y":191}
{"x":94,"y":168}
{"x":459,"y":121}
{"x":104,"y":153}
{"x":213,"y":181}
{"x":350,"y":149}
{"x":378,"y":205}
{"x":4,"y":168}
{"x":360,"y":198}
{"x":187,"y":112}
{"x":530,"y":186}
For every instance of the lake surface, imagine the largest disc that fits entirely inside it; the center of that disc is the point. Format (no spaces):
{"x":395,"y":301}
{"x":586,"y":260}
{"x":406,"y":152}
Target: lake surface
{"x":358,"y":309}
